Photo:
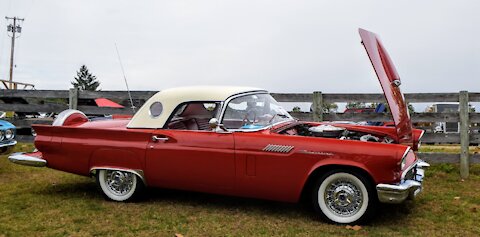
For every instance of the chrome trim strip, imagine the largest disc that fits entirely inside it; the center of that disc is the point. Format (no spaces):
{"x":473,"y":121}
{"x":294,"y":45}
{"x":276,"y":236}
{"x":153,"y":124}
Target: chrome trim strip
{"x":139,"y":173}
{"x":11,"y":143}
{"x":322,"y":153}
{"x":406,"y":152}
{"x":421,"y":135}
{"x":419,"y":141}
{"x":22,"y":159}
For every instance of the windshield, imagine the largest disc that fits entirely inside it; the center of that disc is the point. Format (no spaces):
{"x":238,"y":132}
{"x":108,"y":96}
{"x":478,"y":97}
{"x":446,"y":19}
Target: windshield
{"x":254,"y":112}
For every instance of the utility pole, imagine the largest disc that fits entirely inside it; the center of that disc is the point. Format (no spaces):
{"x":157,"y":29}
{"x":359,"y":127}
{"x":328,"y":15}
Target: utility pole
{"x":14,"y":28}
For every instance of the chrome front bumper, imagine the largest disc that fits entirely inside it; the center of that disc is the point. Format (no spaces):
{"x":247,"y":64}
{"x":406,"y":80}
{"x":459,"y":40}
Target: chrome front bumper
{"x":7,"y":146}
{"x":406,"y":189}
{"x":8,"y":143}
{"x":22,"y":159}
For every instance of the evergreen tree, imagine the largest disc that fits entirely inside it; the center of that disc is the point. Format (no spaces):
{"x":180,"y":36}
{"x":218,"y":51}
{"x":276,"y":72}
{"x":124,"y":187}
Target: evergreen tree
{"x":85,"y":81}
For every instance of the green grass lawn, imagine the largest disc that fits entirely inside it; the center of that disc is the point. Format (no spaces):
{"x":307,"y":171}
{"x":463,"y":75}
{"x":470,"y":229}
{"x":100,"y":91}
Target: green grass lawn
{"x":45,"y":202}
{"x":454,"y":148}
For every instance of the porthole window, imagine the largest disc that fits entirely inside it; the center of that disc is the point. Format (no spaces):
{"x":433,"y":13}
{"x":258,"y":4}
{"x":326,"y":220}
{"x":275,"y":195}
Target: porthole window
{"x":156,"y":109}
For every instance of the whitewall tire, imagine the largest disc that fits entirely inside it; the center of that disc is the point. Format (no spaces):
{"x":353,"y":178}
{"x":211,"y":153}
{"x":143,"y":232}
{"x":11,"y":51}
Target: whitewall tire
{"x":344,"y":197}
{"x":118,"y":185}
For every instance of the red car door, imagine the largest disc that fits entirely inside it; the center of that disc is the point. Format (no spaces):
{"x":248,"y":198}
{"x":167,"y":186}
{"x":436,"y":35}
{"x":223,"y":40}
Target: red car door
{"x":191,"y":160}
{"x":267,"y":166}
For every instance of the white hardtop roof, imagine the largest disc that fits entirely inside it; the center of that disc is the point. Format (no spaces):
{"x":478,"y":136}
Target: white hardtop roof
{"x":171,"y":98}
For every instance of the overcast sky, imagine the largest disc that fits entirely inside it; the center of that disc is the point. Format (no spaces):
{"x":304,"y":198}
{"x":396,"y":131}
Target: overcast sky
{"x":282,"y":46}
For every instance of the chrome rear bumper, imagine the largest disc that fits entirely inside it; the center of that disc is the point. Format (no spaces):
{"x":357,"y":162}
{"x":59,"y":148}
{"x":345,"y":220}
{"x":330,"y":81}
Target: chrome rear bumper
{"x":22,"y":159}
{"x":407,"y":189}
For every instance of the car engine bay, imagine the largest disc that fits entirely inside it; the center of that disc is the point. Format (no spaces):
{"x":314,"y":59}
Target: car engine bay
{"x":335,"y":132}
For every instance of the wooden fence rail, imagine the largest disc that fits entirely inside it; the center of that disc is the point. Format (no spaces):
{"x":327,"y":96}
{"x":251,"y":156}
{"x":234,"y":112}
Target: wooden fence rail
{"x":468,"y":133}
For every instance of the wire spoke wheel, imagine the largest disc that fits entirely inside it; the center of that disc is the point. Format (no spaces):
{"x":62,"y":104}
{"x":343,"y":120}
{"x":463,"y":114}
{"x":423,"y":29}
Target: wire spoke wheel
{"x":117,"y":185}
{"x":119,"y":182}
{"x":342,"y":197}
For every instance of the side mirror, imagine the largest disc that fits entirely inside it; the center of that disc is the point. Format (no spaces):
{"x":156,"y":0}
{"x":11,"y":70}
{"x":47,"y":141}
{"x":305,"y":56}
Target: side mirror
{"x":217,"y":127}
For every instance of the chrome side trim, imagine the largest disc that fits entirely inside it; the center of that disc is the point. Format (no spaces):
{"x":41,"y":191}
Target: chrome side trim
{"x":10,"y":143}
{"x":22,"y":159}
{"x":278,"y":148}
{"x":139,"y":173}
{"x":419,"y":142}
{"x":321,"y":153}
{"x":406,"y":152}
{"x":421,"y":135}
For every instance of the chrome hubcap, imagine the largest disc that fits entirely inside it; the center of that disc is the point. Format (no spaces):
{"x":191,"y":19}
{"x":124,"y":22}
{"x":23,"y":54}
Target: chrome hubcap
{"x":119,"y":182}
{"x":343,"y":197}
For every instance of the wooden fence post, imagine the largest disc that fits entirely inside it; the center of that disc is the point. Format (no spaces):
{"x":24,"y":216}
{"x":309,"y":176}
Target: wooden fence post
{"x":464,"y":134}
{"x":317,"y":110}
{"x":73,"y":98}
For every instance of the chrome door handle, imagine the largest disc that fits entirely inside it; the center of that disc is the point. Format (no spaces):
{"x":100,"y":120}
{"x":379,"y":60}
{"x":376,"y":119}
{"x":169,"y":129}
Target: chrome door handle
{"x":156,"y":139}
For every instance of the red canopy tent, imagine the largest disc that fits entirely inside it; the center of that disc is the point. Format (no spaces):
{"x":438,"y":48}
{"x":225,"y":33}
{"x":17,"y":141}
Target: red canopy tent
{"x":102,"y":102}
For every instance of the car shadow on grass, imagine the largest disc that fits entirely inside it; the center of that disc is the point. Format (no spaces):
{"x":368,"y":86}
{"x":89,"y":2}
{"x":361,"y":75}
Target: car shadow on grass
{"x":387,"y":214}
{"x":75,"y":189}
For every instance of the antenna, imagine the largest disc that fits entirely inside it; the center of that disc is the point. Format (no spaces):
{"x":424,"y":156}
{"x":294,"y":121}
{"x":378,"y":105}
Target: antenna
{"x":125,"y":78}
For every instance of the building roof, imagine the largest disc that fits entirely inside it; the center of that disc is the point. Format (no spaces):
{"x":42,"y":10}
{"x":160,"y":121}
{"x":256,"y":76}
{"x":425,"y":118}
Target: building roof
{"x":171,"y":98}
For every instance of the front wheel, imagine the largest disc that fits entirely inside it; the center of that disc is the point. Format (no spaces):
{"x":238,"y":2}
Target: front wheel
{"x":344,"y":197}
{"x":118,"y":185}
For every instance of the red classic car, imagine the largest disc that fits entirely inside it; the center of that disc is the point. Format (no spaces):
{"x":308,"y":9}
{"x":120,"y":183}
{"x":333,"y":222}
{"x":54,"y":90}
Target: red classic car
{"x":240,"y":141}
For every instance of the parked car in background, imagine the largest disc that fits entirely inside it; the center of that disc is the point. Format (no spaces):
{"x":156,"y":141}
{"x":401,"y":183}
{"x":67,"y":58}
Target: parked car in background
{"x":7,"y":137}
{"x":239,"y":141}
{"x":446,"y":127}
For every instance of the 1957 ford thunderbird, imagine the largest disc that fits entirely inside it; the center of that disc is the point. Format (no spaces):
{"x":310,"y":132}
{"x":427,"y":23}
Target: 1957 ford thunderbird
{"x":239,"y":141}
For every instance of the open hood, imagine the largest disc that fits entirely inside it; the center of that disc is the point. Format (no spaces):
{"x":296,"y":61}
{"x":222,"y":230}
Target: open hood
{"x":390,"y":81}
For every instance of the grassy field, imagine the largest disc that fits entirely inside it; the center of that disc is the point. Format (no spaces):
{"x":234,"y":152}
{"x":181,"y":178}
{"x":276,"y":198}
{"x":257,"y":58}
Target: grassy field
{"x":45,"y":202}
{"x":447,"y":148}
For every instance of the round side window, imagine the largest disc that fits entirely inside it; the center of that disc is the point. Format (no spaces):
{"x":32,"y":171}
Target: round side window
{"x":156,"y":109}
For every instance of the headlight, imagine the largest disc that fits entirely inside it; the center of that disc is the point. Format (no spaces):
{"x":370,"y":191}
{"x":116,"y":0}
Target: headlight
{"x":9,"y":134}
{"x":34,"y":133}
{"x":403,"y":162}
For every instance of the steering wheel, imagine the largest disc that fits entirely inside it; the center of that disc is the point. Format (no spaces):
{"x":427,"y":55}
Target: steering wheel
{"x":247,"y":121}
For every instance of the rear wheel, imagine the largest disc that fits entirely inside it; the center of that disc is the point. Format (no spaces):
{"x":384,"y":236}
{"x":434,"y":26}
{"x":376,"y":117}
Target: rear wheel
{"x":119,"y":185}
{"x":344,"y":197}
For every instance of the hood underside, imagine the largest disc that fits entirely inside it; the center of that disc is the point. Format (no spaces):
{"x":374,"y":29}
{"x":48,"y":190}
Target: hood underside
{"x":390,"y":82}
